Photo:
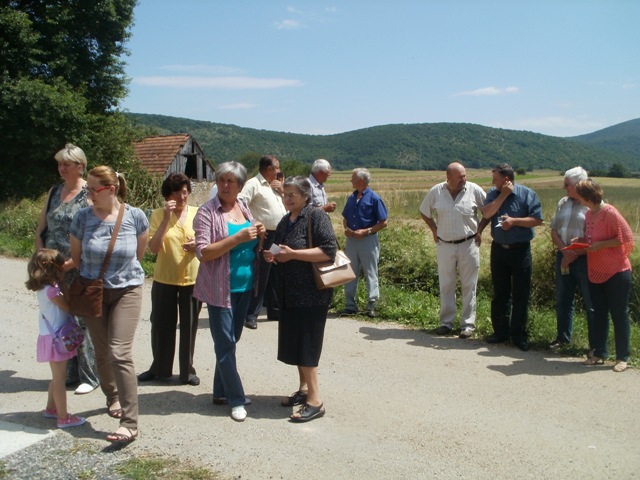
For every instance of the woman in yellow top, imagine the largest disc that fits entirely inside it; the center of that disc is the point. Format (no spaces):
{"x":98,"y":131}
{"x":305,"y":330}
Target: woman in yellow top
{"x":172,"y":238}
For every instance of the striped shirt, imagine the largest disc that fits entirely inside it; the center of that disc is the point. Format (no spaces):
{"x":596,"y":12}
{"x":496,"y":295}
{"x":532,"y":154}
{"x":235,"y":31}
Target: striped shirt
{"x":568,"y":221}
{"x":213,"y":283}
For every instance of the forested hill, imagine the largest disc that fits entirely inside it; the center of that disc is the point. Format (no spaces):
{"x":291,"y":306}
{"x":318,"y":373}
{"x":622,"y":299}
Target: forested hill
{"x":425,"y":146}
{"x":623,"y":137}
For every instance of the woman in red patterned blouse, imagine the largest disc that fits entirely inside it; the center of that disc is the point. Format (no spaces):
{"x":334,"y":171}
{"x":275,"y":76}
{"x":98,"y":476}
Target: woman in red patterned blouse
{"x":610,"y":242}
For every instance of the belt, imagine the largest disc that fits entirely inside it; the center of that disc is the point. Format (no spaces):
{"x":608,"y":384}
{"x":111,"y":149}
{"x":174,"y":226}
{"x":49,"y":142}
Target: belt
{"x":510,"y":246}
{"x":455,"y":242}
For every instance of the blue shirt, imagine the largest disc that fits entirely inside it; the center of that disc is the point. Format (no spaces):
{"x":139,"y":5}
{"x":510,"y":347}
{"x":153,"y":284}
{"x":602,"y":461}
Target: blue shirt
{"x":241,"y":257}
{"x":124,"y":269}
{"x":523,"y":202}
{"x":366,"y":212}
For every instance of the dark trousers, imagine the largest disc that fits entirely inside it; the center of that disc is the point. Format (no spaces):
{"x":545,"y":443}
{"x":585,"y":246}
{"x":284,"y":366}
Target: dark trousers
{"x":511,"y":278}
{"x":612,"y":297}
{"x":167,"y":302}
{"x":266,"y":289}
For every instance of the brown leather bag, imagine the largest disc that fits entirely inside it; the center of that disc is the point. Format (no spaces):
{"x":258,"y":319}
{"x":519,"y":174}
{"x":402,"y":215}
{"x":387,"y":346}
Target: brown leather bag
{"x":84,"y":294}
{"x":331,"y":274}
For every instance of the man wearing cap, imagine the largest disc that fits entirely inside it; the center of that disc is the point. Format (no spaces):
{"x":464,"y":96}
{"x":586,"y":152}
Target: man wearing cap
{"x":320,"y":171}
{"x":513,"y":210}
{"x":457,"y":206}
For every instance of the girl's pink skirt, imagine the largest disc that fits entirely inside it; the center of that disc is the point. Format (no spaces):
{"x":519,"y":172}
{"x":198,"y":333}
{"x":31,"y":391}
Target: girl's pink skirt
{"x":48,"y":353}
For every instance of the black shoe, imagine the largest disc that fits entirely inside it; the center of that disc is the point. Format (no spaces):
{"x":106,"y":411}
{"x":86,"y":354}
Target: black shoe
{"x":465,"y":333}
{"x":193,"y":380}
{"x":496,"y":339}
{"x":146,"y":376}
{"x":442,"y":330}
{"x":372,"y":313}
{"x":522,"y":345}
{"x":346,"y":312}
{"x":296,"y":398}
{"x":252,"y":324}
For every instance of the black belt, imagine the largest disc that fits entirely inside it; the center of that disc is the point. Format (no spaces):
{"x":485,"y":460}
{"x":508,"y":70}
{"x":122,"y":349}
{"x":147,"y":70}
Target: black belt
{"x":455,"y":242}
{"x":509,"y":246}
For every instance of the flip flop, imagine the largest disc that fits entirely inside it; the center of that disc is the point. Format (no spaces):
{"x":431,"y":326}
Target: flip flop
{"x":123,"y":437}
{"x":308,"y":412}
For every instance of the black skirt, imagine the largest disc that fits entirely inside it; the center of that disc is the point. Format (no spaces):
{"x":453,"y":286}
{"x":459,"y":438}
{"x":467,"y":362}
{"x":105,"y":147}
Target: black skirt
{"x":300,"y":335}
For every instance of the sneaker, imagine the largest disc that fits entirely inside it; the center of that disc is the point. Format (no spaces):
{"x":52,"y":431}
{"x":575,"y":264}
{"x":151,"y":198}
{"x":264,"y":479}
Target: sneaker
{"x":85,"y":388}
{"x":71,"y":421}
{"x":556,"y":344}
{"x":371,"y":313}
{"x":239,"y":413}
{"x":442,"y":330}
{"x":465,"y":333}
{"x":50,"y":413}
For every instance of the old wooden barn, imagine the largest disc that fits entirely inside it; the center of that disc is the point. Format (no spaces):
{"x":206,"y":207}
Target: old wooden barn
{"x":167,"y":154}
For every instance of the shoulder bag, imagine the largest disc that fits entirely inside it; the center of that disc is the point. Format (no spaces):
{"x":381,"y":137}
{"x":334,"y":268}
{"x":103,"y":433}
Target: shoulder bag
{"x":45,"y":230}
{"x":68,"y":337}
{"x":331,"y":274}
{"x":85,"y":295}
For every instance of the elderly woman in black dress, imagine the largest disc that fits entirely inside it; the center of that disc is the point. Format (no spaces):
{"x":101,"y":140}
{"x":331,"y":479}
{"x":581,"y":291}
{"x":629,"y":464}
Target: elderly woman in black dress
{"x":303,"y":308}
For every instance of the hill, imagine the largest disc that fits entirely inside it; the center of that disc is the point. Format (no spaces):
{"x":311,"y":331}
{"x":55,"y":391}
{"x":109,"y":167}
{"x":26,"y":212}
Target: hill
{"x":425,"y":146}
{"x":623,"y":138}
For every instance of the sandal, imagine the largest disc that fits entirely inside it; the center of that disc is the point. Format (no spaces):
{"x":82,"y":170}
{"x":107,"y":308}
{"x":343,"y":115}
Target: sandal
{"x":116,"y":436}
{"x":307,"y":412}
{"x":114,"y":412}
{"x":591,"y":361}
{"x":620,"y":366}
{"x":296,"y":398}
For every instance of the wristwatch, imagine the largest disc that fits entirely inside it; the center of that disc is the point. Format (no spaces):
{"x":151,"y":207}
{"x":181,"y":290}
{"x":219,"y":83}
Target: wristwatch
{"x":369,"y":231}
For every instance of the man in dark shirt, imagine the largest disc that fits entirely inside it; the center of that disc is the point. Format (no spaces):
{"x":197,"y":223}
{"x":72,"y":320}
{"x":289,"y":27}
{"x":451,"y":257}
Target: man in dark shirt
{"x":513,"y":210}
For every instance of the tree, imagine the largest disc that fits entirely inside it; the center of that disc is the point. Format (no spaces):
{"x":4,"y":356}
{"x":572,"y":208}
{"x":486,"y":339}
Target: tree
{"x":618,"y":170}
{"x":61,"y":80}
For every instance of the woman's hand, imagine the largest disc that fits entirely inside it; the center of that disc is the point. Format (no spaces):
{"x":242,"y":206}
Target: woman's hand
{"x":189,"y":245}
{"x":285,"y":254}
{"x":169,"y":206}
{"x":247,"y":234}
{"x":260,"y":229}
{"x":268,"y":256}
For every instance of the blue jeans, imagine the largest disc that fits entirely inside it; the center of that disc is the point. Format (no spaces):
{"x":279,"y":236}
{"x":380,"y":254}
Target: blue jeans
{"x":612,"y":296}
{"x":226,"y":328}
{"x":566,"y":286}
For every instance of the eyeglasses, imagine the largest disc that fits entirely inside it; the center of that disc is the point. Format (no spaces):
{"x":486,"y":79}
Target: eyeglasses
{"x":291,"y":195}
{"x":96,"y":190}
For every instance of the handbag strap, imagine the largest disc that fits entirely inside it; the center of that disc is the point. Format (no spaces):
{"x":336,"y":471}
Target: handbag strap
{"x":53,"y":334}
{"x":309,"y":239}
{"x":114,"y":235}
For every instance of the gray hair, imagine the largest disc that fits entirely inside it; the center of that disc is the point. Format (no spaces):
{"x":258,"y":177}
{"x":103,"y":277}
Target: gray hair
{"x":575,"y":175}
{"x":320,"y":165}
{"x":234,"y":168}
{"x":71,"y":153}
{"x":301,"y":184}
{"x":363,"y":174}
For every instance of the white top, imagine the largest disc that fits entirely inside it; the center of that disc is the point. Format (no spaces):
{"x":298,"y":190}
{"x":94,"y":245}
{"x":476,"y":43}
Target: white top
{"x":318,"y":195}
{"x":456,"y":218}
{"x":264,"y":202}
{"x":56,"y":316}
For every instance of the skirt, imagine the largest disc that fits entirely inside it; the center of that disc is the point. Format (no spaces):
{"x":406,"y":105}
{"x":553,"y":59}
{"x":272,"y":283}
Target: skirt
{"x":47,"y":352}
{"x":300,"y":335}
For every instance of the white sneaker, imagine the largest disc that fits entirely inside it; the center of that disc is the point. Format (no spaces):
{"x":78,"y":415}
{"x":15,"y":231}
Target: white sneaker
{"x":84,"y":388}
{"x":239,"y":413}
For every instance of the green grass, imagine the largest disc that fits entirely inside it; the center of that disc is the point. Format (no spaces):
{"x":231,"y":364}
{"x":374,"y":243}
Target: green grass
{"x":152,"y":468}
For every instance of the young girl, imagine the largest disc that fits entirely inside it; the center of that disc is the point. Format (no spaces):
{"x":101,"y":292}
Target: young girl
{"x":45,"y":271}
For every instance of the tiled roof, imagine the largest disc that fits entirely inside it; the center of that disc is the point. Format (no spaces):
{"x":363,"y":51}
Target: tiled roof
{"x":157,"y":153}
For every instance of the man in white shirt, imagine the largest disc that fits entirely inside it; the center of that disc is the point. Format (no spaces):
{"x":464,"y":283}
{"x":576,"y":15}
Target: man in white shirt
{"x":457,"y":205}
{"x":320,"y":171}
{"x":263,"y":196}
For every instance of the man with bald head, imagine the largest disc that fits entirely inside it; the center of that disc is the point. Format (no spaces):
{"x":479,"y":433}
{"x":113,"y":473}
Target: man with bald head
{"x":452,"y":211}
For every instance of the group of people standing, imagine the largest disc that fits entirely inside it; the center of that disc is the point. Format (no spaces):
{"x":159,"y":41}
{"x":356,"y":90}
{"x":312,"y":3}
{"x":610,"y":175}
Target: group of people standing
{"x":594,"y":242}
{"x":253,"y":243}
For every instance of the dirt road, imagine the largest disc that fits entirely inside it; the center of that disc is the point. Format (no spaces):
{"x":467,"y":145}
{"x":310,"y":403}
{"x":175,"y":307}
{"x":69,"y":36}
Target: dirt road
{"x":400,"y":404}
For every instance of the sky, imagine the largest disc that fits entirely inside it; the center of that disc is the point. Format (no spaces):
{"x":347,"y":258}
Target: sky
{"x":557,"y":67}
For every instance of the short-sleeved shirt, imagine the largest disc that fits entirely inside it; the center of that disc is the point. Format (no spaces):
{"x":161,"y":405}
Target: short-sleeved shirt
{"x":174,"y":266}
{"x":124,"y":269}
{"x":49,"y":310}
{"x":366,"y":212}
{"x":457,"y":218}
{"x":318,"y":195}
{"x":522,"y":202}
{"x":568,"y":221}
{"x":264,"y":202}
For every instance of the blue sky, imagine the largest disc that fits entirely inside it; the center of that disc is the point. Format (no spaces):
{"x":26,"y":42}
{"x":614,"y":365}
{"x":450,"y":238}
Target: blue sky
{"x":558,"y":67}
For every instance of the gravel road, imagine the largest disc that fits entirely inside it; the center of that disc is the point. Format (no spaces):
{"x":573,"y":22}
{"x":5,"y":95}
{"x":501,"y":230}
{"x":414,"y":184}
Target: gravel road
{"x":400,"y":403}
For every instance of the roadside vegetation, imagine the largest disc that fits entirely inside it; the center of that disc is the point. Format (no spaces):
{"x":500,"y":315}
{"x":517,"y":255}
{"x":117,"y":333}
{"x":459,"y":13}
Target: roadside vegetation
{"x":408,"y":270}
